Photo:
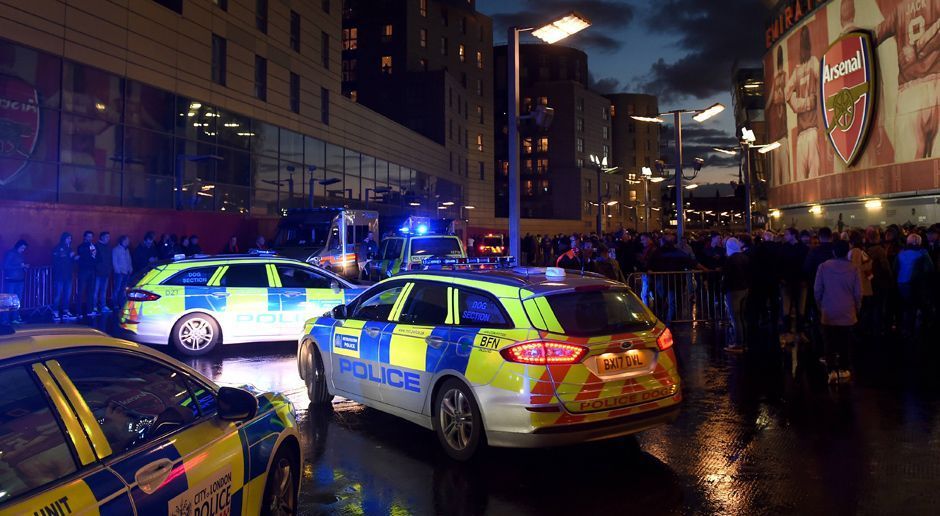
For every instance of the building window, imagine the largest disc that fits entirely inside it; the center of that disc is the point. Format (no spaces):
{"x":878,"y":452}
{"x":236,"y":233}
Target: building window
{"x":325,"y":50}
{"x":482,"y":34}
{"x":606,"y":150}
{"x":503,"y":167}
{"x":528,"y":188}
{"x":294,"y":92}
{"x":543,"y":144}
{"x":350,"y":38}
{"x":579,"y":144}
{"x":613,"y":110}
{"x":466,"y":167}
{"x":480,"y":113}
{"x":451,"y":123}
{"x":604,"y":113}
{"x":325,"y":5}
{"x":219,"y":57}
{"x":261,"y":78}
{"x":580,"y":104}
{"x":173,"y":5}
{"x":527,"y":145}
{"x":444,"y":20}
{"x":543,"y":186}
{"x":261,"y":15}
{"x":295,"y":31}
{"x":466,"y":139}
{"x":479,"y":87}
{"x":480,"y":142}
{"x":423,"y":7}
{"x":423,"y":38}
{"x":580,"y":162}
{"x":353,"y":95}
{"x":387,"y":32}
{"x":482,"y":172}
{"x":580,"y":124}
{"x":222,"y":4}
{"x":423,"y":64}
{"x":541,"y":166}
{"x":325,"y":106}
{"x":444,"y":45}
{"x":587,"y":185}
{"x":543,"y":101}
{"x":606,"y":132}
{"x":461,"y":53}
{"x":349,"y":70}
{"x":479,"y":59}
{"x":387,"y":65}
{"x":463,"y":24}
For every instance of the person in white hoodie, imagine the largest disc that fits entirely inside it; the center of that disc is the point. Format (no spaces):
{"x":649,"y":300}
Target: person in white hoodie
{"x":123,"y":266}
{"x":838,"y":293}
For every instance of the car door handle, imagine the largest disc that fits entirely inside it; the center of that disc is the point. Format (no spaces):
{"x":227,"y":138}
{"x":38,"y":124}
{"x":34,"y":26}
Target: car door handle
{"x":220,"y":294}
{"x":294,"y":294}
{"x":434,"y":342}
{"x":150,"y":477}
{"x":373,"y":332}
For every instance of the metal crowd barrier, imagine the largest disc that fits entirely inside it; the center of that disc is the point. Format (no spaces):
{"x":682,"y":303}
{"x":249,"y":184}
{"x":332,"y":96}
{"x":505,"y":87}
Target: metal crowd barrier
{"x":37,"y":290}
{"x":683,"y":296}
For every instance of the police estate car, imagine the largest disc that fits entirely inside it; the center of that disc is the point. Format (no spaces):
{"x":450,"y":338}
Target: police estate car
{"x":514,"y":357}
{"x":96,"y":425}
{"x":196,"y":304}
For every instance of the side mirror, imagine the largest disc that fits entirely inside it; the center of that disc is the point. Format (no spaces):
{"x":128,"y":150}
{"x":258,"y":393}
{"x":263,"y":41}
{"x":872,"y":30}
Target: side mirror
{"x":236,"y":404}
{"x":339,"y":312}
{"x":335,"y":286}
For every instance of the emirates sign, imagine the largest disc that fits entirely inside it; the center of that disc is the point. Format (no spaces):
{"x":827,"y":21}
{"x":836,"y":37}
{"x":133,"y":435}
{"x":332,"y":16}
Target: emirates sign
{"x":847,"y":84}
{"x":19,"y":125}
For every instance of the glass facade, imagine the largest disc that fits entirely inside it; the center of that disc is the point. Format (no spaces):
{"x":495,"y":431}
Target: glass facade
{"x":71,"y":133}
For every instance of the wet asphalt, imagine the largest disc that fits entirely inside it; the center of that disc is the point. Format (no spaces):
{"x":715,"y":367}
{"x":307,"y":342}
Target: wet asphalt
{"x":756,"y":435}
{"x":752,"y":438}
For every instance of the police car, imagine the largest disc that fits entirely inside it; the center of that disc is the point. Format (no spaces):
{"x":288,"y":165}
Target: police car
{"x":196,"y":304}
{"x":521,"y":357}
{"x":96,"y":425}
{"x":409,"y":248}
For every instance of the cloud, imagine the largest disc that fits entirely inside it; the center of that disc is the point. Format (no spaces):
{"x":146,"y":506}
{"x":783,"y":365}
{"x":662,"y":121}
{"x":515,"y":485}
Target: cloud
{"x":604,"y":86}
{"x":714,"y":34}
{"x":700,"y":142}
{"x":608,"y":15}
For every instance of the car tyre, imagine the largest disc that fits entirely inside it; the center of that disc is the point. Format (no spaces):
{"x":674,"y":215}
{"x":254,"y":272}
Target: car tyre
{"x":196,"y":334}
{"x":281,"y":495}
{"x":315,"y":378}
{"x":457,"y":421}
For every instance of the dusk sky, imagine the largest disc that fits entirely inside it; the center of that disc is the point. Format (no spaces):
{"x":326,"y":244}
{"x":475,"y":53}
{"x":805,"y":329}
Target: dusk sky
{"x":681,"y":50}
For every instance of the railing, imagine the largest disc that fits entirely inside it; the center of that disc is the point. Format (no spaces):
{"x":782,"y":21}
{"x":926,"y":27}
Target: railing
{"x":37,"y":290}
{"x":684,"y":296}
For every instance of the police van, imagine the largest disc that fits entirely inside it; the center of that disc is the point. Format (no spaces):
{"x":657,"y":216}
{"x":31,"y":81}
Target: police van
{"x":327,"y":237}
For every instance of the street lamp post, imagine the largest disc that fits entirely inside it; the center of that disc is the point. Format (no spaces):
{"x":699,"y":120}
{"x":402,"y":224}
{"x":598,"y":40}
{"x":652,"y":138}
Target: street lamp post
{"x":699,"y":115}
{"x":550,"y":33}
{"x":600,"y":164}
{"x":746,"y":144}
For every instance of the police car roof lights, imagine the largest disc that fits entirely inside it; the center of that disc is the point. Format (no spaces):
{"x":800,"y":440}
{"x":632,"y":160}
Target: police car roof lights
{"x":554,"y":272}
{"x":262,"y":252}
{"x":495,"y":261}
{"x":9,"y":303}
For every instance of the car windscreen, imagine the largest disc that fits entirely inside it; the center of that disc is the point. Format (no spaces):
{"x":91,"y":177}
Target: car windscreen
{"x":599,"y":312}
{"x":435,"y":246}
{"x":310,"y":234}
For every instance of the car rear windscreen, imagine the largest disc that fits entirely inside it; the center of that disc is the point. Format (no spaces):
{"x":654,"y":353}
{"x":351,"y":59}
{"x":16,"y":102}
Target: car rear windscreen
{"x":600,"y":312}
{"x":435,"y":246}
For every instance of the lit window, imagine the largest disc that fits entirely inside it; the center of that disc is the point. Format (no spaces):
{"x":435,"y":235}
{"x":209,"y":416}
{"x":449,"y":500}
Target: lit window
{"x":580,"y":124}
{"x":423,"y":38}
{"x":479,"y":59}
{"x":354,"y":95}
{"x":543,"y":101}
{"x":480,"y":113}
{"x":541,"y":166}
{"x":606,"y":150}
{"x":423,"y":64}
{"x":423,"y":7}
{"x":480,"y":142}
{"x":543,"y":144}
{"x":461,"y":53}
{"x":387,"y":64}
{"x":350,"y":38}
{"x":387,"y":32}
{"x":606,"y":132}
{"x":613,"y":111}
{"x":580,"y":144}
{"x":527,"y":145}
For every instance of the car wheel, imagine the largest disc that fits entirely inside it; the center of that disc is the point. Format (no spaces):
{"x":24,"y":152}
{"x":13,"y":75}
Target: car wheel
{"x":315,"y":378}
{"x":457,"y":420}
{"x":280,"y":490}
{"x":196,"y":334}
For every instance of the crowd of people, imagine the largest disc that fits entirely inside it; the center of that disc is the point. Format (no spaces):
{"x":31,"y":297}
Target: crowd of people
{"x":92,"y":277}
{"x":815,"y":286}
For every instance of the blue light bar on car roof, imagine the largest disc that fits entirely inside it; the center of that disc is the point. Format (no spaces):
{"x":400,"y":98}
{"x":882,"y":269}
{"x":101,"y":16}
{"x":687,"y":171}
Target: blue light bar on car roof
{"x":495,"y":261}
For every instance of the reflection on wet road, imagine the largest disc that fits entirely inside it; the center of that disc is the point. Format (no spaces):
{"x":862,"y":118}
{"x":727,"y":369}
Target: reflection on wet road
{"x":751,"y":440}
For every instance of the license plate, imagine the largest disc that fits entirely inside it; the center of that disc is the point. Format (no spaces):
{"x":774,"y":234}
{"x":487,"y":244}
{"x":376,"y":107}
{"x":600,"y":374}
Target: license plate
{"x":615,"y":363}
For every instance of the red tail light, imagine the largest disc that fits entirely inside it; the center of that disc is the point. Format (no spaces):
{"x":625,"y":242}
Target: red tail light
{"x":482,"y":247}
{"x":664,"y":341}
{"x":540,"y":352}
{"x":141,"y":295}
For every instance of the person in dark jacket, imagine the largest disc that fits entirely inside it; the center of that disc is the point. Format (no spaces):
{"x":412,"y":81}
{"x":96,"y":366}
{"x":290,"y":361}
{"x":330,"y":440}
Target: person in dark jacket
{"x":14,"y":276}
{"x":669,"y":258}
{"x":814,"y":258}
{"x":571,"y":259}
{"x":882,"y":281}
{"x":790,"y":257}
{"x":103,"y":268}
{"x":736,"y":274}
{"x":914,"y":268}
{"x":194,"y":247}
{"x":63,"y":263}
{"x":838,"y":293}
{"x":145,"y":254}
{"x":87,"y":263}
{"x":232,"y":246}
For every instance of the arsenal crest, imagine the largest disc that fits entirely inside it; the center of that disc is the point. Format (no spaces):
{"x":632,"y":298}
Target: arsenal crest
{"x":19,"y":125}
{"x":847,"y":84}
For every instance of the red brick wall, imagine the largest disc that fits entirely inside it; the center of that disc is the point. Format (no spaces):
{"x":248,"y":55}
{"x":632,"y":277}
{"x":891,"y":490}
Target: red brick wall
{"x":40,"y":224}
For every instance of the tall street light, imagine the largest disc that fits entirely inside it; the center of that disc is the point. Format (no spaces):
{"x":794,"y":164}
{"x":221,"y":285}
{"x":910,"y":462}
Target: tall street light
{"x":600,"y":164}
{"x":552,"y":32}
{"x":746,"y":144}
{"x":699,"y":115}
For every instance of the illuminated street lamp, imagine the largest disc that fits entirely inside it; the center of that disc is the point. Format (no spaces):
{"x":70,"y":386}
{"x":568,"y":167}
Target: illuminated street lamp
{"x":747,"y":143}
{"x":699,"y":115}
{"x":600,"y":164}
{"x":551,"y":32}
